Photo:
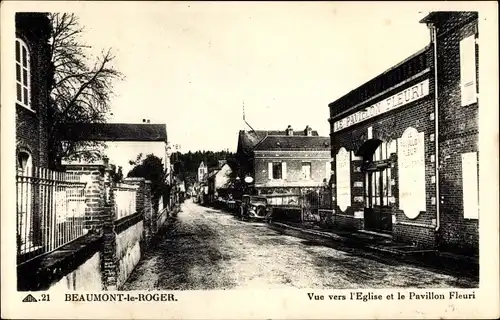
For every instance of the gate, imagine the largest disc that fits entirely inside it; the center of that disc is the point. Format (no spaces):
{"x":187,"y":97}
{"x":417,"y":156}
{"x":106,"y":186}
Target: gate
{"x":310,"y":203}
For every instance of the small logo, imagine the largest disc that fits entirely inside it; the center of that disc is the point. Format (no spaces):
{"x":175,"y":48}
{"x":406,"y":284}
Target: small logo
{"x":30,"y":298}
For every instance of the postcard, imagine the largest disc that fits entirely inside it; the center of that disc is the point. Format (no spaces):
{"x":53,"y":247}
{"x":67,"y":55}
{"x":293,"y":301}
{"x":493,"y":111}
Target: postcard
{"x":249,"y":160}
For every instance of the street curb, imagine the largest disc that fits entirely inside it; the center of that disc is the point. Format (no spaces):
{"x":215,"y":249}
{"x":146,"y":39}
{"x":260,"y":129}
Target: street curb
{"x":336,"y":237}
{"x":313,"y":232}
{"x":372,"y":247}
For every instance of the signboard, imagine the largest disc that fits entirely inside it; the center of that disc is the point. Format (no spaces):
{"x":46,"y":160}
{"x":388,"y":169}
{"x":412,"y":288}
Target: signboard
{"x":395,"y":101}
{"x":411,"y":166}
{"x":248,"y":179}
{"x":343,"y":175}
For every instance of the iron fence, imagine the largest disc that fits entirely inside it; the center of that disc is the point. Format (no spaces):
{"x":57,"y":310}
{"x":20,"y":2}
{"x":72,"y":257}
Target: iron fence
{"x":50,"y":210}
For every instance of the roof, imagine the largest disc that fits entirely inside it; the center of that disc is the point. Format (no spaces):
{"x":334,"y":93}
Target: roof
{"x":114,"y":132}
{"x":294,"y":143}
{"x":247,"y":140}
{"x":439,"y":17}
{"x":211,"y":174}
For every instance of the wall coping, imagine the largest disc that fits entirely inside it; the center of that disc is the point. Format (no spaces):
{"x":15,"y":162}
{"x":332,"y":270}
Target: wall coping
{"x":83,"y":166}
{"x":128,"y":221}
{"x":43,"y":271}
{"x":134,"y":179}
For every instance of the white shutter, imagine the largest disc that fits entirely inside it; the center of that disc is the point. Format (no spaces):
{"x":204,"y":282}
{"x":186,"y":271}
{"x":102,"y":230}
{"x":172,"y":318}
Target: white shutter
{"x":470,"y":185}
{"x":270,"y":170}
{"x":328,"y":171}
{"x":468,"y":70}
{"x":283,"y":169}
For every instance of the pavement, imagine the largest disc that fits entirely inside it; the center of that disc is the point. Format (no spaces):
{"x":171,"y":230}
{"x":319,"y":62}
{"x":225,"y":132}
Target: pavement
{"x":204,"y":248}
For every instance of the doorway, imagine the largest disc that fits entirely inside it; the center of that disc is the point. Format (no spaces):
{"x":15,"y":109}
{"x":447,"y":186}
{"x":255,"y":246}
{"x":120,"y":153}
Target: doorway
{"x":377,"y":211}
{"x":378,"y":187}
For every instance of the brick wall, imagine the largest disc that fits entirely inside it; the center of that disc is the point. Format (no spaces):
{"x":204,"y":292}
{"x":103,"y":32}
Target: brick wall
{"x":95,"y":192}
{"x":32,"y":125}
{"x":318,"y":160}
{"x":458,"y":133}
{"x":389,"y":127}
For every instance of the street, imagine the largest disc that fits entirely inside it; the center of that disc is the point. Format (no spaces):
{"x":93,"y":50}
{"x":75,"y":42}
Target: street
{"x":204,"y":248}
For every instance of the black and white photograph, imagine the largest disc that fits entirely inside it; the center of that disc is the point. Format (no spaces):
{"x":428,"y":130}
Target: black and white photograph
{"x":339,"y":150}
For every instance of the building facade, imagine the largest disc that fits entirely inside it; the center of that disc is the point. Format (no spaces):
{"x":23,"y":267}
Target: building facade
{"x":405,"y":143}
{"x":456,"y":37}
{"x":218,"y":179}
{"x":124,"y":141}
{"x":32,"y":62}
{"x":202,"y":172}
{"x":284,"y":161}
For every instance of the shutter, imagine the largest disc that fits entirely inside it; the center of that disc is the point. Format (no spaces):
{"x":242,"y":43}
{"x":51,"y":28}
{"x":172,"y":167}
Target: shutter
{"x":468,"y":70}
{"x":328,"y":171}
{"x":283,"y":170}
{"x":270,"y":170}
{"x":470,"y":185}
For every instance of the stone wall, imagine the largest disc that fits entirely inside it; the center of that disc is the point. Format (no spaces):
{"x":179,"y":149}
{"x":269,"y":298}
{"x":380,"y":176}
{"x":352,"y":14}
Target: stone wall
{"x":86,"y":277}
{"x":128,"y":250}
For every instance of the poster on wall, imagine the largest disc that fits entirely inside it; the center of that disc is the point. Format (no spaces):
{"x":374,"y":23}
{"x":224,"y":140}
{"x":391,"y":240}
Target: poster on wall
{"x":343,"y":174}
{"x":411,"y":173}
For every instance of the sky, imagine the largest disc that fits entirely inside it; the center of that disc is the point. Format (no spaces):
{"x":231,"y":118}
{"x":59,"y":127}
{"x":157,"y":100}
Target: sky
{"x":192,"y":65}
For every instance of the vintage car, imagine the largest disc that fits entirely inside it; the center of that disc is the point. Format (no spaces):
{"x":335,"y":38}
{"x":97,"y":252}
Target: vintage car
{"x":253,"y":208}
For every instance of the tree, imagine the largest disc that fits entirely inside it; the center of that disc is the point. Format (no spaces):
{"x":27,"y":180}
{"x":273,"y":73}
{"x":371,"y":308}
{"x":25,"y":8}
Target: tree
{"x":151,"y":168}
{"x":79,"y":89}
{"x":116,"y":175}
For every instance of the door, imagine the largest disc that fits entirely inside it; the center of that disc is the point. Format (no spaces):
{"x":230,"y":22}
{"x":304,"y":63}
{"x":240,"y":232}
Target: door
{"x":377,"y":211}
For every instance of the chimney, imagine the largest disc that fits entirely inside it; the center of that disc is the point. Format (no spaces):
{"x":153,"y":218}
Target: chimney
{"x":143,"y":120}
{"x":289,"y":130}
{"x":308,"y":131}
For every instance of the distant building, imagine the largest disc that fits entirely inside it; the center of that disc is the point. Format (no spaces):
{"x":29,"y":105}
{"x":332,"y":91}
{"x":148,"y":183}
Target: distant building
{"x":284,"y":161}
{"x":202,"y":172}
{"x":124,"y":141}
{"x":218,"y":181}
{"x":405,"y":144}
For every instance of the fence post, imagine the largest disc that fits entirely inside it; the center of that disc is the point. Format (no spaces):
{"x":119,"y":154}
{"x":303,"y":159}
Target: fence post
{"x":301,"y":204}
{"x":149,"y":209}
{"x":140,"y":206}
{"x":109,"y":263}
{"x":94,"y":177}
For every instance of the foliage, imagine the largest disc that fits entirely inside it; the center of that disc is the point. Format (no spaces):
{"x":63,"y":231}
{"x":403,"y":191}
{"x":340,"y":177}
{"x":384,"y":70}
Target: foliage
{"x":186,"y":164}
{"x":116,"y":175}
{"x":79,"y":88}
{"x":151,"y":168}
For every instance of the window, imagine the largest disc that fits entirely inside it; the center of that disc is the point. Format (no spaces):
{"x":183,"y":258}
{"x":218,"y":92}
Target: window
{"x":306,"y":170}
{"x":22,"y":73}
{"x":381,"y":180}
{"x":24,"y":162}
{"x":468,"y":70}
{"x":276,"y":170}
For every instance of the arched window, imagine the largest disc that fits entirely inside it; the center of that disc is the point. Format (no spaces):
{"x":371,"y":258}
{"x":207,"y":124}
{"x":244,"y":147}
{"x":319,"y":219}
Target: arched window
{"x":24,"y":162}
{"x":23,"y":74}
